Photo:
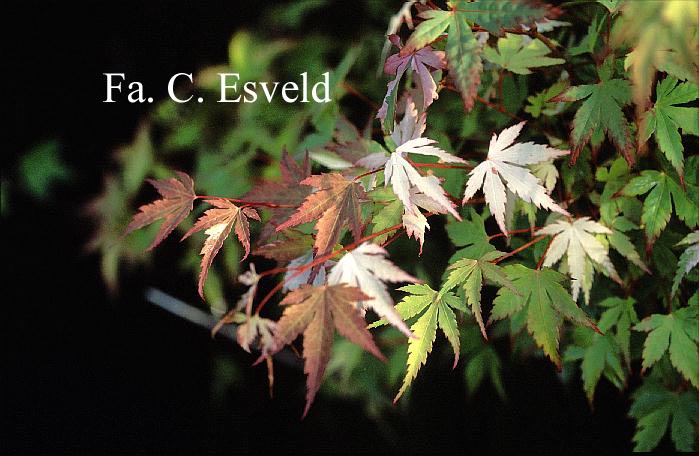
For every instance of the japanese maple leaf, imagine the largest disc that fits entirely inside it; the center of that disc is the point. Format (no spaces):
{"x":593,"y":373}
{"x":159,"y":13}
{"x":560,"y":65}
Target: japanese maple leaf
{"x":335,"y":205}
{"x":407,"y":183}
{"x":295,"y":278}
{"x":315,"y":311}
{"x":601,"y":112}
{"x":291,"y":245}
{"x":256,"y":331}
{"x":664,"y":191}
{"x":470,"y":274}
{"x":659,"y":408}
{"x":218,"y":224}
{"x":411,"y":126}
{"x":665,"y":119}
{"x":506,"y":162}
{"x":175,"y":205}
{"x":286,"y":192}
{"x":435,"y":310}
{"x":421,"y":62}
{"x":545,"y":303}
{"x":676,"y":333}
{"x":464,"y":47}
{"x":410,"y":187}
{"x":575,"y":240}
{"x":367,"y":268}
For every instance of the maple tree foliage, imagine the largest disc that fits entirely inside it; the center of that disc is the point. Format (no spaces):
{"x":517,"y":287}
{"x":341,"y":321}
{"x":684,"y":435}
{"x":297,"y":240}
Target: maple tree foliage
{"x":335,"y":205}
{"x":506,"y":162}
{"x":558,"y":195}
{"x":316,"y":312}
{"x":217,"y":225}
{"x":175,"y":205}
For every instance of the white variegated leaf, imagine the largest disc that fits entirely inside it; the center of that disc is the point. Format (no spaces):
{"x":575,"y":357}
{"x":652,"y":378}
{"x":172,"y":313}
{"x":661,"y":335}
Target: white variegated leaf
{"x":505,"y":164}
{"x":582,"y":250}
{"x":367,"y":268}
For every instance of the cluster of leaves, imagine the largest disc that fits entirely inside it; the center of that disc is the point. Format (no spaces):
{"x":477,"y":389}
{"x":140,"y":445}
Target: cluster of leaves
{"x":329,"y":225}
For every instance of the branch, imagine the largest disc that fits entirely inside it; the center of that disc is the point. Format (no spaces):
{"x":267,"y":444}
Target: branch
{"x":248,"y":203}
{"x":518,"y":249}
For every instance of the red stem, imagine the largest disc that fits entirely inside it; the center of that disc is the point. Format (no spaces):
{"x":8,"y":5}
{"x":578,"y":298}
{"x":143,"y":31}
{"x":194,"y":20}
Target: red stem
{"x":320,"y":260}
{"x":247,"y":203}
{"x":368,"y":173}
{"x":523,"y":230}
{"x":518,"y":249}
{"x":543,"y":255}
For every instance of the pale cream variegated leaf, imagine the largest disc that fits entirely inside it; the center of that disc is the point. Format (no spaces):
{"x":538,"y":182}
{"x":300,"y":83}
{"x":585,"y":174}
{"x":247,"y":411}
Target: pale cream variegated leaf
{"x":547,"y":173}
{"x":576,"y":241}
{"x":423,"y":146}
{"x":412,"y":126}
{"x":415,"y":224}
{"x":367,"y":268}
{"x":413,"y":189}
{"x":506,"y":163}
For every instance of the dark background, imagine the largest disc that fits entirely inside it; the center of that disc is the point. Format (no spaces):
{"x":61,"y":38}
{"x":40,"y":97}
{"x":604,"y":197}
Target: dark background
{"x":83,"y":372}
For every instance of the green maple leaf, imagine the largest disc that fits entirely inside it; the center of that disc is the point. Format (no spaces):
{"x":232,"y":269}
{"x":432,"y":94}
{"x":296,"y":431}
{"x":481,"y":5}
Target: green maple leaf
{"x":435,"y":310}
{"x":601,"y":111}
{"x":665,"y":119}
{"x":657,"y":207}
{"x":600,"y":355}
{"x":463,"y":50}
{"x":676,"y":333}
{"x":470,"y":274}
{"x":387,"y":216}
{"x":517,"y":56}
{"x":603,"y":354}
{"x":544,"y":301}
{"x":656,"y":408}
{"x":470,"y":235}
{"x":620,"y":314}
{"x":539,"y":103}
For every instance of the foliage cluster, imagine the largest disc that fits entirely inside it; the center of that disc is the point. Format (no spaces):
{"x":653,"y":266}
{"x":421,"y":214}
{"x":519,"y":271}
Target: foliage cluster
{"x":574,"y":123}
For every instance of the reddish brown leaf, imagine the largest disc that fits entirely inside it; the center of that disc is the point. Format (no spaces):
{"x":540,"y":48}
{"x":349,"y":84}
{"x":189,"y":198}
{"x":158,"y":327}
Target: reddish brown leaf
{"x":315,"y":311}
{"x":175,"y":205}
{"x":292,"y":245}
{"x":335,"y":205}
{"x":218,"y":224}
{"x":292,"y":172}
{"x":286,"y":192}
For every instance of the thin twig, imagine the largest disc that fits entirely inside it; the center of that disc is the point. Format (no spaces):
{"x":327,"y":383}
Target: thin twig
{"x":519,"y":231}
{"x":247,"y":203}
{"x":543,"y":255}
{"x":320,"y":260}
{"x":518,"y":249}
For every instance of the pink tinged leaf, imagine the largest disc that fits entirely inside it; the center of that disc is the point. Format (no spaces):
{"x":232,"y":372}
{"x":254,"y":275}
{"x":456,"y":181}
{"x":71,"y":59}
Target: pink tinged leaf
{"x":411,"y":126}
{"x":334,"y":205}
{"x":415,"y":224}
{"x":177,"y":202}
{"x":217,"y":224}
{"x":390,"y":91}
{"x":366,"y":268}
{"x":352,"y":326}
{"x":317,"y":347}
